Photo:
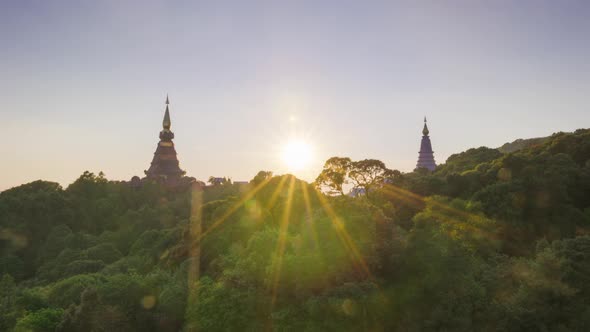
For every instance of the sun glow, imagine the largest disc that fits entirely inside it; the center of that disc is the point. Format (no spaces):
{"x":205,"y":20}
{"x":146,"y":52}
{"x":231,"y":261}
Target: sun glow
{"x":297,"y":155}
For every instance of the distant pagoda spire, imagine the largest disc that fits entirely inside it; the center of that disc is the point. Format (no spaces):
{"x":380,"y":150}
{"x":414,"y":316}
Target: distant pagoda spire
{"x":165,"y":166}
{"x":425,"y":131}
{"x":426,"y":155}
{"x":166,"y":122}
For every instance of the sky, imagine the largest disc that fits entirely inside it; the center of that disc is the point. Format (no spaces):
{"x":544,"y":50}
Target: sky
{"x":83,"y":83}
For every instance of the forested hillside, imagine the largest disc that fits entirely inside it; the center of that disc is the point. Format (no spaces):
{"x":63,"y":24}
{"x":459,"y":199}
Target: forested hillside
{"x":488,"y":242}
{"x":520,"y":144}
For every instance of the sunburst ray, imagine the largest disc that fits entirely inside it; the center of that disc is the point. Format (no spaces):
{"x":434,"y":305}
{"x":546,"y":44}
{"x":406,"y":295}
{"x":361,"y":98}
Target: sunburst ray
{"x":280,"y":250}
{"x":309,"y":219}
{"x":344,"y":237}
{"x":234,"y":208}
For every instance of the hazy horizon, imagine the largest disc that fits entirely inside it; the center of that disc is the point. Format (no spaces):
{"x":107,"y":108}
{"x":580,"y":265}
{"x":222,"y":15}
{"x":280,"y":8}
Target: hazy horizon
{"x":84,"y":84}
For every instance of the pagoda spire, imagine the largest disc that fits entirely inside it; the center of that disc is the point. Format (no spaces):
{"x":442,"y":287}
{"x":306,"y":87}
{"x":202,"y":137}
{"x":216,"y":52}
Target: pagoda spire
{"x":426,"y":155}
{"x":425,"y":130}
{"x":166,"y":122}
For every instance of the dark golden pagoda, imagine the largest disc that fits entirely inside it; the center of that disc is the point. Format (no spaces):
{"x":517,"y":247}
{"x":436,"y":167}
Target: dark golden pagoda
{"x":165,"y":166}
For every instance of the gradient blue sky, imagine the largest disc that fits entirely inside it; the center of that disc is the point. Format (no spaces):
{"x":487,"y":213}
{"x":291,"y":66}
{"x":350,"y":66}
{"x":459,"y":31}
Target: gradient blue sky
{"x":83,"y":83}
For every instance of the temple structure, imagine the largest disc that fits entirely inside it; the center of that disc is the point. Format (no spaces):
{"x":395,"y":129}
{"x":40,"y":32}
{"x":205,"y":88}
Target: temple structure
{"x":426,"y":155}
{"x":165,"y":167}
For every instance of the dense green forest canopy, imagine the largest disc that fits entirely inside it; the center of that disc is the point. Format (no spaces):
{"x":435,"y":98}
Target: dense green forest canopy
{"x":490,"y":241}
{"x":520,"y":144}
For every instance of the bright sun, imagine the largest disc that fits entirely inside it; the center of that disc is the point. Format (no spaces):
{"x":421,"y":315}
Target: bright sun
{"x":296,"y":154}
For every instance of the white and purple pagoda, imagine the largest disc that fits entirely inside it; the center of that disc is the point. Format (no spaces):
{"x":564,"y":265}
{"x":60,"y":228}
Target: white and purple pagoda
{"x":426,"y":155}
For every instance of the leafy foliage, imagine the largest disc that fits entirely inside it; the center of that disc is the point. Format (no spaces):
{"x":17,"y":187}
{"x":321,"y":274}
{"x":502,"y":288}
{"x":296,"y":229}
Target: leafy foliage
{"x":489,"y":241}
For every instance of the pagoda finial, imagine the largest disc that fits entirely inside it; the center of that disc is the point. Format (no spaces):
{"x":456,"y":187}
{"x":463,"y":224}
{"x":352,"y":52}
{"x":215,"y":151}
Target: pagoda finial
{"x":166,"y":122}
{"x":425,"y":131}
